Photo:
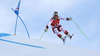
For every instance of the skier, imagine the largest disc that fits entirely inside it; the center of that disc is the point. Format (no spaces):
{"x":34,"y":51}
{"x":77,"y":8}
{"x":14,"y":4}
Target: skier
{"x":56,"y":27}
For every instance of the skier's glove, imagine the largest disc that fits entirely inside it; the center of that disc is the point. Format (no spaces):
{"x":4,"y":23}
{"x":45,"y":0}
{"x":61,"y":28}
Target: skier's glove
{"x":69,"y":19}
{"x":46,"y":30}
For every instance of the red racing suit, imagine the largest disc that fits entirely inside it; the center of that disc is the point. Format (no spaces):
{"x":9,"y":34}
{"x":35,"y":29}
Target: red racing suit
{"x":56,"y":27}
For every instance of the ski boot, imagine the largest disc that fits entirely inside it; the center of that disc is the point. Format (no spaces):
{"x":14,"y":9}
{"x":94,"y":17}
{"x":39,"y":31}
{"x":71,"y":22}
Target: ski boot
{"x":70,"y":36}
{"x":63,"y":39}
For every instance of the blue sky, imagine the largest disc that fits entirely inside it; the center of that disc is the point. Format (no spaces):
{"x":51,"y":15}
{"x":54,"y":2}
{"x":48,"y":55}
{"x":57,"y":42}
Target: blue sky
{"x":36,"y":14}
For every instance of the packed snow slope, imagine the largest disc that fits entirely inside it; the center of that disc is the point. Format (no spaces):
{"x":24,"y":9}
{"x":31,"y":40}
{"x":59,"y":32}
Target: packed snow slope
{"x":19,"y":46}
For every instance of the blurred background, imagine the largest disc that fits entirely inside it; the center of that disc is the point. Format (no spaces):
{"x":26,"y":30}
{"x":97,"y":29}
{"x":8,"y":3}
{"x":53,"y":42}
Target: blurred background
{"x":37,"y":13}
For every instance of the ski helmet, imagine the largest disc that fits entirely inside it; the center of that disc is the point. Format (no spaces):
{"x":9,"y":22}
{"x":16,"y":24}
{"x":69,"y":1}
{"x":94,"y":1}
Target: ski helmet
{"x":55,"y":13}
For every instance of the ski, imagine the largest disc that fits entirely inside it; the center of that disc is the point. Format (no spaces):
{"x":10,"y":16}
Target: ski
{"x":71,"y":37}
{"x":64,"y":40}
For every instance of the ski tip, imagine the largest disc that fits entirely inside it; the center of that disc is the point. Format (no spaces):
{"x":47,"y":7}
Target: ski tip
{"x":72,"y":34}
{"x":71,"y":37}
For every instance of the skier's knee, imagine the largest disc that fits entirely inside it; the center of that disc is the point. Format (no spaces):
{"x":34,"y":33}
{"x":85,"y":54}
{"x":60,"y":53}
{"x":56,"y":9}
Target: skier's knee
{"x":59,"y":35}
{"x":66,"y":32}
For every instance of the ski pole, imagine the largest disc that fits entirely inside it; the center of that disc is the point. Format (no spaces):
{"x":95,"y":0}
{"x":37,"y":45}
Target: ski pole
{"x":42,"y":35}
{"x":81,"y":31}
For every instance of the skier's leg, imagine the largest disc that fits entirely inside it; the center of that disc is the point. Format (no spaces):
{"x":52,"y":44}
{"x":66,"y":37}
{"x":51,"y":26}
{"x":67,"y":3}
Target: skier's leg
{"x":65,"y":32}
{"x":56,"y":32}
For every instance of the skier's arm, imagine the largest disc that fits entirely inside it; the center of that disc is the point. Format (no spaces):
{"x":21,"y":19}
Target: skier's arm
{"x":68,"y":18}
{"x":47,"y":26}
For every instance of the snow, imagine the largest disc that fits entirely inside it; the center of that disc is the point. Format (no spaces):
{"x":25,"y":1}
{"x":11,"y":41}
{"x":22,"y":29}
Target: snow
{"x":20,"y":46}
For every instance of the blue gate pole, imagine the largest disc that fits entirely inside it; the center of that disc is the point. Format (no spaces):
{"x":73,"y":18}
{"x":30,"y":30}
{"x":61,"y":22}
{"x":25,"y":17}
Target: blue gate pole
{"x":22,"y":22}
{"x":16,"y":25}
